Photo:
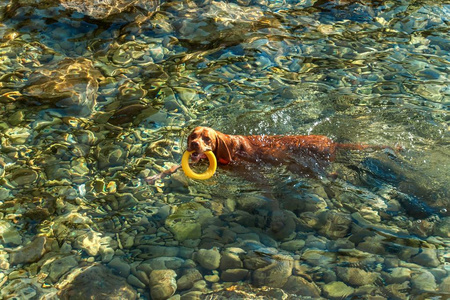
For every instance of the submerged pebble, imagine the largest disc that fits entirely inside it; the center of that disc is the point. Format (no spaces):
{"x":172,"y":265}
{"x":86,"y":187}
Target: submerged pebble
{"x":9,"y":234}
{"x":208,"y":259}
{"x":162,"y":284}
{"x":95,"y":280}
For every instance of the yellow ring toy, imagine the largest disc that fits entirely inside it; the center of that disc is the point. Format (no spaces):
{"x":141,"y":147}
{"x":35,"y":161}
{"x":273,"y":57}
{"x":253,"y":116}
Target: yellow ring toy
{"x":191,"y":174}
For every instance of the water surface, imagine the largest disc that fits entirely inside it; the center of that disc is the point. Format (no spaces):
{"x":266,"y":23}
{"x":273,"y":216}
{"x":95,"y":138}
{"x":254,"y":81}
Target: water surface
{"x":93,"y":103}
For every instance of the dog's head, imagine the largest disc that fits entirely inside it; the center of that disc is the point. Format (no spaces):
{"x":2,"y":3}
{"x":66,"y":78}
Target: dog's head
{"x":204,"y":139}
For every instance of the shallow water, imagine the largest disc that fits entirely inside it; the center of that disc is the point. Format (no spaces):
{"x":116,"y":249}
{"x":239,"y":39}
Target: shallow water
{"x":93,"y":102}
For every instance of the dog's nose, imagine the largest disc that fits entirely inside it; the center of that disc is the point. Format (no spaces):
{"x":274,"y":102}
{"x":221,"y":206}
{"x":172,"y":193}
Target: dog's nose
{"x":194,"y":144}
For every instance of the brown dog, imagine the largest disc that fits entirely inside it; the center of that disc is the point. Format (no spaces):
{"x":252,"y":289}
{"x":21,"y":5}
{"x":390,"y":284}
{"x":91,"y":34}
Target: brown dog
{"x":306,"y":154}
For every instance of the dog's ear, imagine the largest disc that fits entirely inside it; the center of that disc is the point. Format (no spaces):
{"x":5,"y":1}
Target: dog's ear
{"x":222,"y":150}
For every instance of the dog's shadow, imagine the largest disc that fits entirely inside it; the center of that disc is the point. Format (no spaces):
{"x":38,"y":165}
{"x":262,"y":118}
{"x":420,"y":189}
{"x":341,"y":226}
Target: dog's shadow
{"x":410,"y":187}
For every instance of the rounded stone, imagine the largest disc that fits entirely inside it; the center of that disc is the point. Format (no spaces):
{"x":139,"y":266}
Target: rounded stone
{"x":186,"y":222}
{"x":276,"y":273}
{"x":89,"y":243}
{"x":9,"y":234}
{"x":120,"y":266}
{"x":20,"y":177}
{"x":424,"y":282}
{"x":445,"y":285}
{"x":162,"y":284}
{"x":234,"y":275}
{"x":442,"y":228}
{"x":208,"y":259}
{"x":95,"y":280}
{"x":106,"y":253}
{"x":426,"y":257}
{"x":186,"y":281}
{"x":356,"y":276}
{"x":334,"y":225}
{"x":293,"y":245}
{"x":134,"y":281}
{"x":230,"y":260}
{"x":399,"y":275}
{"x":301,"y":287}
{"x":212,"y":278}
{"x":337,"y":290}
{"x":31,"y":252}
{"x":317,"y":257}
{"x":61,"y":266}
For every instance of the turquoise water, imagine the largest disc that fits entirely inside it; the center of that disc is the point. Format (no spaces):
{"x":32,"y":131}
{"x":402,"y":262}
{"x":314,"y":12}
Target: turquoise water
{"x":93,"y":101}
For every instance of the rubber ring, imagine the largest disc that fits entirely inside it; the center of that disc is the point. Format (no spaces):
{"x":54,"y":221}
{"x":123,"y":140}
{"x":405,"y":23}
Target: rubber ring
{"x":191,"y":174}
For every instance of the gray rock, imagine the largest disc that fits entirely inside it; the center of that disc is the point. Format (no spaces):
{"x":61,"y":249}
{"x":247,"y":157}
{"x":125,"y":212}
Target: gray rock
{"x":127,"y":240}
{"x":276,"y":273}
{"x":96,"y":282}
{"x":151,"y":251}
{"x":162,"y":284}
{"x":318,"y":257}
{"x":200,"y":285}
{"x":317,"y":242}
{"x":442,"y":228}
{"x":120,"y":267}
{"x":314,"y":203}
{"x":372,"y":245}
{"x":230,"y":260}
{"x":107,"y":254}
{"x":61,"y":266}
{"x":333,"y":224}
{"x":391,"y":262}
{"x":301,"y":287}
{"x":251,"y":236}
{"x":397,"y":290}
{"x":356,"y":276}
{"x":161,"y":263}
{"x":398,"y":275}
{"x":141,"y":275}
{"x":208,"y":259}
{"x":293,"y":245}
{"x":194,"y":295}
{"x":186,"y":281}
{"x":426,"y":257}
{"x":268,"y":241}
{"x":253,"y":263}
{"x":445,"y":285}
{"x":282,"y":225}
{"x":31,"y":252}
{"x":9,"y":234}
{"x":341,"y":244}
{"x":251,"y":203}
{"x":89,"y":242}
{"x":423,"y":282}
{"x":234,"y":275}
{"x":337,"y":290}
{"x":186,"y":222}
{"x":134,"y":281}
{"x":212,"y":278}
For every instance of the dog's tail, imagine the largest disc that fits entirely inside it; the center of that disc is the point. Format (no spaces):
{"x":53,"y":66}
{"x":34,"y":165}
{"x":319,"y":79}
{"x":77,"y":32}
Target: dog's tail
{"x":366,"y":147}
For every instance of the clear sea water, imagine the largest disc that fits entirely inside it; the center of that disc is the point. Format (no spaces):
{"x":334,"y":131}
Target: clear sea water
{"x":91,"y":106}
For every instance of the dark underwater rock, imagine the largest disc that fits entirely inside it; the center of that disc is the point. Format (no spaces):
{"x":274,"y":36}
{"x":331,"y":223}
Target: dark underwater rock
{"x":97,"y":282}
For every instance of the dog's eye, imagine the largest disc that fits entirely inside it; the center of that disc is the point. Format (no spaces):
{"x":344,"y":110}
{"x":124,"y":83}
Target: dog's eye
{"x":193,"y":136}
{"x":207,"y":139}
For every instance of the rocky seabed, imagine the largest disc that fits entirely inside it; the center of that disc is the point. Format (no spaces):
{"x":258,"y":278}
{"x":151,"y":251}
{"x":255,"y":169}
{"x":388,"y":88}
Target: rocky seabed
{"x":196,"y":253}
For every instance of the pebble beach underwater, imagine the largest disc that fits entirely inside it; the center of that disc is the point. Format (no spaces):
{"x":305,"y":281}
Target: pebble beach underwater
{"x":98,"y":95}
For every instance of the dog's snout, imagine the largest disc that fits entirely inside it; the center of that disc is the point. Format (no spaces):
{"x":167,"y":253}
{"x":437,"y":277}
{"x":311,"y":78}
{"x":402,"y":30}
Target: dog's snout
{"x":194,"y":144}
